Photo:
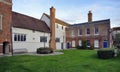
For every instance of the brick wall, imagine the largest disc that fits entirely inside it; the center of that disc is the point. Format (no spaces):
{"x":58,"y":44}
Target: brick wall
{"x":6,"y":12}
{"x":103,"y":33}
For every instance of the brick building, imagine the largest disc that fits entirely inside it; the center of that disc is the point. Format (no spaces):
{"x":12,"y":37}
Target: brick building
{"x":96,"y":33}
{"x":5,"y":25}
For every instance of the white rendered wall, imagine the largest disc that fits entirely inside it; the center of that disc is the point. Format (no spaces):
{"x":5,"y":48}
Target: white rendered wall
{"x":46,"y":19}
{"x":32,"y":39}
{"x":60,"y":33}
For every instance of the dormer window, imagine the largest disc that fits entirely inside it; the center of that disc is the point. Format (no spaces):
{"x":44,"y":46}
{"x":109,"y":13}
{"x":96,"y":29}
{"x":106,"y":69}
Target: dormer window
{"x":0,"y":22}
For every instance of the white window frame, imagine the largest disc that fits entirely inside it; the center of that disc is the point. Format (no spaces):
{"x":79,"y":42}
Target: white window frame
{"x":96,"y":43}
{"x":79,"y":32}
{"x":80,"y":42}
{"x":86,"y":32}
{"x":73,"y":43}
{"x":1,"y":22}
{"x":94,"y":31}
{"x":73,"y":33}
{"x":22,"y":39}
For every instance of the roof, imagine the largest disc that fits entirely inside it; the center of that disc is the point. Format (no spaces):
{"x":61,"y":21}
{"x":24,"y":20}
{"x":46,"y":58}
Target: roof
{"x":27,"y":22}
{"x":58,"y":20}
{"x":116,"y":28}
{"x":106,"y":21}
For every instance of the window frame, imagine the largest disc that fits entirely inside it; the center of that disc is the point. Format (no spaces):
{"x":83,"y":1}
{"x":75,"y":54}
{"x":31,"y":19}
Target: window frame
{"x":44,"y":38}
{"x":79,"y":32}
{"x":57,"y":39}
{"x":1,"y":16}
{"x":72,"y":33}
{"x":87,"y":31}
{"x":95,"y":31}
{"x":19,"y":37}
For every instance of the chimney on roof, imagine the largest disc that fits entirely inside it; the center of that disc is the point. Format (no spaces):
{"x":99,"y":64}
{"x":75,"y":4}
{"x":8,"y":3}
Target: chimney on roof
{"x":52,"y":29}
{"x":90,"y":16}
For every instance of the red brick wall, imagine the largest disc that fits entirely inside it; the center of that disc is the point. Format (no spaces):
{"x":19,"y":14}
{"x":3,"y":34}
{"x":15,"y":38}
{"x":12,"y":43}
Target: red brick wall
{"x":6,"y":12}
{"x":103,"y":34}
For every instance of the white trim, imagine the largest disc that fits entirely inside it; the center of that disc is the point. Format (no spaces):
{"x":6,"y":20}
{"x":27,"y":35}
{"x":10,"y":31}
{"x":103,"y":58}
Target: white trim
{"x":1,"y":16}
{"x":78,"y":33}
{"x":94,"y":31}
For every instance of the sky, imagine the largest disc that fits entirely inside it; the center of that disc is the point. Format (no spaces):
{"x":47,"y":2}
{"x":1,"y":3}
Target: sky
{"x":71,"y":11}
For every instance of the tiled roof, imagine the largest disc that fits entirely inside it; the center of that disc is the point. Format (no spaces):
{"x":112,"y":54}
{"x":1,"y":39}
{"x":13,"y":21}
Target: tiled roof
{"x":58,"y":21}
{"x":106,"y":21}
{"x":116,"y":28}
{"x":27,"y":22}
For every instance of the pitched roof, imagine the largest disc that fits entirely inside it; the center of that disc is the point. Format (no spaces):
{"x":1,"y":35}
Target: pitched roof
{"x":116,"y":28}
{"x":58,"y":20}
{"x":27,"y":22}
{"x":106,"y":21}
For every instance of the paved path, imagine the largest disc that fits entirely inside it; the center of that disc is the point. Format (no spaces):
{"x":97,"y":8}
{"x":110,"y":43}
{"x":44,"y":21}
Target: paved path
{"x":33,"y":53}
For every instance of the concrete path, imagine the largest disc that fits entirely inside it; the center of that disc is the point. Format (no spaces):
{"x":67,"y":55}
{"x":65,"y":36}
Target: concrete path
{"x":33,"y":53}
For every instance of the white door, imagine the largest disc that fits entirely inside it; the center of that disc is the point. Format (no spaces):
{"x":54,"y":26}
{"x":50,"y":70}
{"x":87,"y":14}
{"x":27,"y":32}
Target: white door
{"x":73,"y":43}
{"x":80,"y":42}
{"x":96,"y":43}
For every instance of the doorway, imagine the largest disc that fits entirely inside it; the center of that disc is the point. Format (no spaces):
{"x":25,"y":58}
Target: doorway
{"x":6,"y":48}
{"x":105,"y":44}
{"x":68,"y":45}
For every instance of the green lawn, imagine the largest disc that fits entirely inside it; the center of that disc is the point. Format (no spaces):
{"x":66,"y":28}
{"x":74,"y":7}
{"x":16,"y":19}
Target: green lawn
{"x":70,"y":61}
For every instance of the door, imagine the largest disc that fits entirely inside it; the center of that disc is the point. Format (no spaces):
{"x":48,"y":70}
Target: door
{"x":6,"y":49}
{"x":105,"y":44}
{"x":68,"y":45}
{"x":61,"y":45}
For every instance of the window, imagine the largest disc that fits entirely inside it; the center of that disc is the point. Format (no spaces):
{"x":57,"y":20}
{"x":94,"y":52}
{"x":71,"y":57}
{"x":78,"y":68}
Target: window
{"x":19,"y":37}
{"x":80,"y":32}
{"x":73,"y":43}
{"x":57,"y":39}
{"x":62,"y":27}
{"x":88,"y":31}
{"x":0,"y":22}
{"x":43,"y":39}
{"x":80,"y":42}
{"x":57,"y":25}
{"x":88,"y":43}
{"x":96,"y":30}
{"x":96,"y":43}
{"x":73,"y":33}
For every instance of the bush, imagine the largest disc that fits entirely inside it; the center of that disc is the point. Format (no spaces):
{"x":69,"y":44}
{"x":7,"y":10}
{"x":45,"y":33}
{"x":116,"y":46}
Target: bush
{"x":91,"y":47}
{"x":44,"y":50}
{"x":106,"y":53}
{"x":79,"y":47}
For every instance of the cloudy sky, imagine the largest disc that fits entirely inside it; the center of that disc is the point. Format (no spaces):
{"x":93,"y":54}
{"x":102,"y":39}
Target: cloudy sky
{"x":72,"y":11}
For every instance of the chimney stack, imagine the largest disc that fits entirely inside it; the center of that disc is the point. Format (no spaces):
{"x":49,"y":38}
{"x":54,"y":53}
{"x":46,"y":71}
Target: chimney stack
{"x":90,"y":16}
{"x":52,"y":29}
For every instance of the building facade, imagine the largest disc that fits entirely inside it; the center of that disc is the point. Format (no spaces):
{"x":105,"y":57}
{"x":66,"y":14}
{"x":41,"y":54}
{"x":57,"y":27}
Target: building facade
{"x":57,"y":28}
{"x":5,"y":26}
{"x":28,"y":33}
{"x":96,"y":33}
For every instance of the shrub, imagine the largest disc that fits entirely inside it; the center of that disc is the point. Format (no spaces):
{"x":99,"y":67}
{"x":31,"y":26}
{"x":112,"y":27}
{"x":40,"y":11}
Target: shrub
{"x":91,"y":47}
{"x":43,"y":50}
{"x":84,"y":45}
{"x":79,"y":47}
{"x":106,"y":53}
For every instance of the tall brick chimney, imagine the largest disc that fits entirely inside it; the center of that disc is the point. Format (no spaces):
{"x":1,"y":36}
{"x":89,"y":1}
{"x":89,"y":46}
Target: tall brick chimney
{"x":52,"y":28}
{"x":90,"y":16}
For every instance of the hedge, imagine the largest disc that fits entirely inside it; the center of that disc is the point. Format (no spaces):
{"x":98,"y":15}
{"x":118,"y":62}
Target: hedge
{"x":105,"y":53}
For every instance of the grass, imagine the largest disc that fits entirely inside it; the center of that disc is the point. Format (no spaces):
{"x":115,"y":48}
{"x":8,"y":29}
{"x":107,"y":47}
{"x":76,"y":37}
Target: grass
{"x":70,"y":61}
